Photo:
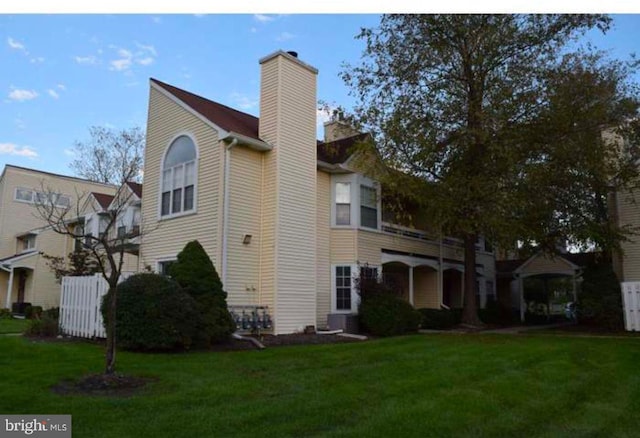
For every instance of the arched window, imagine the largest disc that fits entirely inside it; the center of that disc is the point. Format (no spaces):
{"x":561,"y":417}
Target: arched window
{"x":179,"y":177}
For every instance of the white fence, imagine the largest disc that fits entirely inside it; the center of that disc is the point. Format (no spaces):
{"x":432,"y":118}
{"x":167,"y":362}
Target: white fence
{"x":80,"y":301}
{"x":631,"y":304}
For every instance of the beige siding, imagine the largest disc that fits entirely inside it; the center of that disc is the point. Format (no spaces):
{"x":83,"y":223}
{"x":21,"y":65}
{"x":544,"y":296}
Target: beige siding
{"x":166,"y":238}
{"x":344,"y":246}
{"x":45,"y":290}
{"x":425,"y":288}
{"x":245,"y":211}
{"x":18,"y":217}
{"x":323,"y":254}
{"x":292,"y":109}
{"x":544,"y":265}
{"x":628,"y":212}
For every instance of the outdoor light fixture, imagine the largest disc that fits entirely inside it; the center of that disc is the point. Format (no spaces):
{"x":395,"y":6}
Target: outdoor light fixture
{"x":246,"y":239}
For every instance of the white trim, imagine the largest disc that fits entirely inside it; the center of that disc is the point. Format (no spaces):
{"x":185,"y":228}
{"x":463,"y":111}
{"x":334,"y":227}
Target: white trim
{"x":355,"y":299}
{"x":408,"y":260}
{"x":368,"y":182}
{"x":540,"y":253}
{"x":221,"y":132}
{"x":19,"y":257}
{"x":164,"y":260}
{"x":194,"y":210}
{"x":354,"y":210}
{"x":251,"y":143}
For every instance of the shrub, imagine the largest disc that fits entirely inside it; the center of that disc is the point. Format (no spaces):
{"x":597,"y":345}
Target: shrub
{"x":439,"y":319}
{"x":153,"y":314}
{"x":385,"y":314}
{"x":5,"y":314}
{"x":494,"y":313}
{"x":195,"y":273}
{"x":600,"y":300}
{"x":53,"y":312}
{"x":45,"y":326}
{"x":33,"y":312}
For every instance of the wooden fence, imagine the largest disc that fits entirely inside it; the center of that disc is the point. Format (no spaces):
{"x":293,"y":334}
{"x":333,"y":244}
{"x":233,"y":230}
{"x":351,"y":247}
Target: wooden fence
{"x":631,"y":304}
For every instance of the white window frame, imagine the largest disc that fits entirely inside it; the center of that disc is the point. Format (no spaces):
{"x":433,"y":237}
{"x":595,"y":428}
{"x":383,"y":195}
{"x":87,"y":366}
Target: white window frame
{"x":375,"y":187}
{"x":196,"y":162}
{"x":162,"y":260}
{"x":34,"y":193}
{"x":355,"y":298}
{"x":352,"y":180}
{"x":31,"y":238}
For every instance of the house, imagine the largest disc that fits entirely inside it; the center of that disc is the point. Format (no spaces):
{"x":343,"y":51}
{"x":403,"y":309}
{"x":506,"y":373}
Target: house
{"x":25,"y":237}
{"x":289,"y":222}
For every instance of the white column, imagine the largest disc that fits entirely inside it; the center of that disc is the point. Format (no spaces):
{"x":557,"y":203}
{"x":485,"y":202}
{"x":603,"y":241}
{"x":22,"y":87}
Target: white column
{"x":411,"y":285}
{"x":575,"y":288}
{"x":521,"y":292}
{"x":9,"y":288}
{"x":462,"y":291}
{"x":440,"y":275}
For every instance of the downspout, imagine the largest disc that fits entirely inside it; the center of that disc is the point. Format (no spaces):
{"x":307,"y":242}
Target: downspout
{"x":225,"y":207}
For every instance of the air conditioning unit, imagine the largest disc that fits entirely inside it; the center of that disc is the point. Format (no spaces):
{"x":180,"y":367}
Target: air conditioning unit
{"x":347,"y":322}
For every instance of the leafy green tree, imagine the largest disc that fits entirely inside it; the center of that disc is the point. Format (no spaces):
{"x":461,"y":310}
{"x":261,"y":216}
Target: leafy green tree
{"x":195,"y":273}
{"x":459,"y":107}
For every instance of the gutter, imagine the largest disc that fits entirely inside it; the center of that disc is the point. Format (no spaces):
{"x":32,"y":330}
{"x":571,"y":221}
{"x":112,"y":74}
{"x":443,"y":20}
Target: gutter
{"x":333,"y":168}
{"x":257,"y":145}
{"x":225,"y":208}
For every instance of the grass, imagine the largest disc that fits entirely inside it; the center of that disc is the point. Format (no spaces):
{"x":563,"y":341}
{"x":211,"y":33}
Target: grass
{"x":423,"y":386}
{"x":10,"y":325}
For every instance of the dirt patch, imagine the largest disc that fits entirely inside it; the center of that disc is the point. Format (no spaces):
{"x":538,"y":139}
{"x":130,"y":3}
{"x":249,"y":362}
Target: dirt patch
{"x":110,"y":385}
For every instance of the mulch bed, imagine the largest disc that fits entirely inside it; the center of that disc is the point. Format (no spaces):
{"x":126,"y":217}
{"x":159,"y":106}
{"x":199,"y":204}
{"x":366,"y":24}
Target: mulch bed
{"x":110,"y":385}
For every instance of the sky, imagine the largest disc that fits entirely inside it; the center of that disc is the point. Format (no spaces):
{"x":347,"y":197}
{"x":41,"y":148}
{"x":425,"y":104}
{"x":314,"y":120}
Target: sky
{"x":61,"y":74}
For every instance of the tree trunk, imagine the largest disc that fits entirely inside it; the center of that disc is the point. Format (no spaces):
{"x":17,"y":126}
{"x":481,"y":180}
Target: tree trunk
{"x":110,"y":355}
{"x":470,"y":307}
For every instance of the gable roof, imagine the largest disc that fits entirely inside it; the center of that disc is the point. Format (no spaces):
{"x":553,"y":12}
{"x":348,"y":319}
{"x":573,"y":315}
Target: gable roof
{"x":338,"y":151}
{"x":225,"y":117}
{"x":103,"y":199}
{"x":232,"y":120}
{"x":136,"y":188}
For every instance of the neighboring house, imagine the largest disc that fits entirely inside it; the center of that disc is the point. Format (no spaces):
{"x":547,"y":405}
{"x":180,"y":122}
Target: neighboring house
{"x":288,"y":222}
{"x":25,"y":237}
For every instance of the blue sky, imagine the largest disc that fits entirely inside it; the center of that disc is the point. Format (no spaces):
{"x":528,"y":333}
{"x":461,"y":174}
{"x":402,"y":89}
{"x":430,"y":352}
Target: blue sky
{"x":61,"y":74}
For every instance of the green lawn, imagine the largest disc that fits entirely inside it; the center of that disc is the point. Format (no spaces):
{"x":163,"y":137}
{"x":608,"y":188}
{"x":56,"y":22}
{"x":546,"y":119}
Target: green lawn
{"x":431,"y":385}
{"x":12,"y":325}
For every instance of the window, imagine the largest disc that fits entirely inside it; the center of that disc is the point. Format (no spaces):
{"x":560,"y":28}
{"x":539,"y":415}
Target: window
{"x":32,"y":196}
{"x":368,"y":207}
{"x":122,"y":232}
{"x":178,"y":177}
{"x":491,"y":293}
{"x":343,"y":204}
{"x":28,"y":242}
{"x":163,"y":267}
{"x":343,"y":287}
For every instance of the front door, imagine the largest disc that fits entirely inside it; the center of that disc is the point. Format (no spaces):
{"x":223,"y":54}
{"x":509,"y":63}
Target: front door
{"x":22,"y":281}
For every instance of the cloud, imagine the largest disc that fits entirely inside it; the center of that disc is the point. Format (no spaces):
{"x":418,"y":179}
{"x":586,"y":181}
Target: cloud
{"x":147,"y":48}
{"x":285,"y":36}
{"x":61,"y":87}
{"x":262,"y":18}
{"x":53,"y":93}
{"x":22,"y":95}
{"x":14,"y":149}
{"x":242,"y":101}
{"x":16,"y":45}
{"x":38,"y":60}
{"x":120,"y":64}
{"x":156,"y":19}
{"x":145,"y":61}
{"x":87,"y":60}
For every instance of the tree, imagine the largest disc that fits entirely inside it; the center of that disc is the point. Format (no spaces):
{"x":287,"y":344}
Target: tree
{"x":457,"y":106}
{"x":107,"y":249}
{"x":195,"y":273}
{"x":110,"y":156}
{"x":77,"y":263}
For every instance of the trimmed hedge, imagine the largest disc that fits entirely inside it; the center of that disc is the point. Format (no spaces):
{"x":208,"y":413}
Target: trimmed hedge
{"x":44,"y":326}
{"x":195,"y":273}
{"x":385,"y":314}
{"x":153,"y":314}
{"x":439,"y":319}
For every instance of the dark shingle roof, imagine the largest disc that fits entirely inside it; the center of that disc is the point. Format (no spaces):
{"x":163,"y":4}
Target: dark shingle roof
{"x":135,"y":188}
{"x":221,"y":115}
{"x":229,"y":119}
{"x":338,"y":151}
{"x":103,"y":199}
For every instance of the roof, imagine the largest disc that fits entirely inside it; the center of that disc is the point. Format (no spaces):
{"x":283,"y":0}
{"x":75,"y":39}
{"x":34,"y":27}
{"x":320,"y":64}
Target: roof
{"x":580,"y":259}
{"x":232,"y":120}
{"x":221,"y":115}
{"x":75,"y":178}
{"x":136,"y":188}
{"x":103,"y":199}
{"x":338,"y":151}
{"x":18,"y":256}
